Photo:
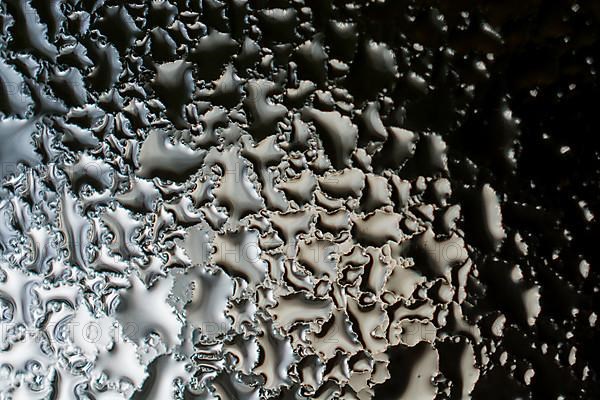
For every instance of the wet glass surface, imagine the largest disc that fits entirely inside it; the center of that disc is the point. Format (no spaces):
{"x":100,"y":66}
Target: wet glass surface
{"x":293,"y":199}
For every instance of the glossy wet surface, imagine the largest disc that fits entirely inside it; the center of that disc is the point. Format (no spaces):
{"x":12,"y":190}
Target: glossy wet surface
{"x":289,"y":199}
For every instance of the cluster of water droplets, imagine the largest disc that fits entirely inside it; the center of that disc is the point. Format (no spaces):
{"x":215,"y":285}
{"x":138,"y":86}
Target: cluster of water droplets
{"x":245,"y":199}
